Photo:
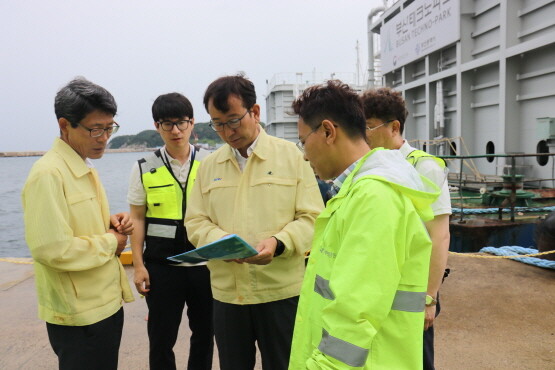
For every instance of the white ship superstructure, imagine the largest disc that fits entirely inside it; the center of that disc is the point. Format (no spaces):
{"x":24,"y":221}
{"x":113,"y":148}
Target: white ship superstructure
{"x":478,"y":77}
{"x":284,"y":88}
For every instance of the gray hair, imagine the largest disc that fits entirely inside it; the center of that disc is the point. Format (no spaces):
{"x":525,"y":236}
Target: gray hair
{"x":79,"y":98}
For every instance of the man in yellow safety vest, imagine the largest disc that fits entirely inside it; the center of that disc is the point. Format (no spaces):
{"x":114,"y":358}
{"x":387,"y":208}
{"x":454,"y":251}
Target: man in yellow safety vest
{"x":159,"y":190}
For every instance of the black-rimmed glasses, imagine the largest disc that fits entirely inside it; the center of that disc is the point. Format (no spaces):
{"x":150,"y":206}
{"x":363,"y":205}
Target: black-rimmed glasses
{"x":97,"y":132}
{"x":181,"y":125}
{"x":232,"y":123}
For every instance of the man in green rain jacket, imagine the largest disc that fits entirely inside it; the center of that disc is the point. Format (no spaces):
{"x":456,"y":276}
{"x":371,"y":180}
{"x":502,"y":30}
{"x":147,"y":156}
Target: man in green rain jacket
{"x":363,"y":296}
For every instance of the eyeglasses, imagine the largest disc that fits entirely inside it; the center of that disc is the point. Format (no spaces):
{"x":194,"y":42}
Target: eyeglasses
{"x":300,"y":143}
{"x":181,"y":125}
{"x":97,"y":132}
{"x":232,"y":123}
{"x":378,"y":126}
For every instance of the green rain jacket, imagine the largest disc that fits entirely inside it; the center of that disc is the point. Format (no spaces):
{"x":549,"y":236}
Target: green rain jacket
{"x":363,"y":296}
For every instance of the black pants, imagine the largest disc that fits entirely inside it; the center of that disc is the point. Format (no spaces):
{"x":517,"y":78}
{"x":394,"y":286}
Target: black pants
{"x":171,"y":287}
{"x":238,"y":327}
{"x":94,"y":346}
{"x":429,"y":342}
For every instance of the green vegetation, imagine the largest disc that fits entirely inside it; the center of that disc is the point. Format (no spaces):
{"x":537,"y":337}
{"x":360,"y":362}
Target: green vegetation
{"x":144,"y":139}
{"x":206,"y":135}
{"x":151,"y":138}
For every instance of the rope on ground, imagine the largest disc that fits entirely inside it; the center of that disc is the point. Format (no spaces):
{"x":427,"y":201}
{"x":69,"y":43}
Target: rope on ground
{"x":17,"y":260}
{"x":521,"y":254}
{"x":475,"y":211}
{"x":524,"y":255}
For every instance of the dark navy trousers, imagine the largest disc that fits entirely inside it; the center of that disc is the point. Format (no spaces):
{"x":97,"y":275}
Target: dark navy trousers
{"x":94,"y":346}
{"x":239,"y":327}
{"x":429,"y":342}
{"x":171,"y":288}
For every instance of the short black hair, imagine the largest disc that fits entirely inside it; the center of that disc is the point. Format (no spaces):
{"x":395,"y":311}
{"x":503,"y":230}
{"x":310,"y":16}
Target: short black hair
{"x":335,"y":101}
{"x":385,"y":104}
{"x":223,"y":87}
{"x":172,"y":105}
{"x":80,"y":97}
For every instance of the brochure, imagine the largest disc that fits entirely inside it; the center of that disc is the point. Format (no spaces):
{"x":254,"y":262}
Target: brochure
{"x":227,"y":248}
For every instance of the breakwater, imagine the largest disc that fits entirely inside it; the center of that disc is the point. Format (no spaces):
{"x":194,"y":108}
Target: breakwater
{"x":40,"y":153}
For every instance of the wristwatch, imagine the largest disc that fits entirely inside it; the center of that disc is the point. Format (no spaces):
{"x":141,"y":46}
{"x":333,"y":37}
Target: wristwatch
{"x":430,"y":301}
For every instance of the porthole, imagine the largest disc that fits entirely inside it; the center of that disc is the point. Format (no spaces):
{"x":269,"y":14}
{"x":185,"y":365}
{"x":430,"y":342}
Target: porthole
{"x":453,"y":148}
{"x":490,"y":149}
{"x":542,"y":147}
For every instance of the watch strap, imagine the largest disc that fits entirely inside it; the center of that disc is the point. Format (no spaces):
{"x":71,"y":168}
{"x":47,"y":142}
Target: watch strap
{"x":280,"y":247}
{"x":430,"y":301}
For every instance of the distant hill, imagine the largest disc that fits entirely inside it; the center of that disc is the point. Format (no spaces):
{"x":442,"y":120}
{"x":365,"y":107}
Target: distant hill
{"x":151,"y":138}
{"x":206,"y":135}
{"x":144,"y":139}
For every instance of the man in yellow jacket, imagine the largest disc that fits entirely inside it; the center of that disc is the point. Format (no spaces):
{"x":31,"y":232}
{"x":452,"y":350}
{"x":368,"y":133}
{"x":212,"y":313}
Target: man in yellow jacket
{"x":363,"y":296}
{"x":259,"y":187}
{"x":74,"y":241}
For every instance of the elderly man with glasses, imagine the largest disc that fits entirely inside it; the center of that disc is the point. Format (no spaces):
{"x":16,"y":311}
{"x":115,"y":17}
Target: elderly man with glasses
{"x":158,"y":195}
{"x":74,"y":241}
{"x":259,"y":187}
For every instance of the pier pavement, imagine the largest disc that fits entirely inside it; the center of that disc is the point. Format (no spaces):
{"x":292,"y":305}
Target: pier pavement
{"x":496,"y":314}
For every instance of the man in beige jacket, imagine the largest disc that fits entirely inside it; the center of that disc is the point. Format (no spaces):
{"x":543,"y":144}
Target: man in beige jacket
{"x":74,"y":241}
{"x":259,"y":187}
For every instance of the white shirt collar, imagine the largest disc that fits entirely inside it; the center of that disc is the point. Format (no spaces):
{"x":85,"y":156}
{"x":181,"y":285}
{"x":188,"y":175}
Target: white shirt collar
{"x":250,"y":149}
{"x":242,"y":161}
{"x":165,"y":152}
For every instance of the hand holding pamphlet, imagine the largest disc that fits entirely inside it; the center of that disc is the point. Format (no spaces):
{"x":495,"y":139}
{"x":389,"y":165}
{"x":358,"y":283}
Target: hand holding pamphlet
{"x":227,"y":248}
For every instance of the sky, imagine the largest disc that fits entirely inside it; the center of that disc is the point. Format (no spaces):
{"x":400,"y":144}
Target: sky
{"x":139,"y":49}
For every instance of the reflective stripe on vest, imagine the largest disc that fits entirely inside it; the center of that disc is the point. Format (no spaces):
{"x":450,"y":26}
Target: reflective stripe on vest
{"x":343,"y":351}
{"x":415,"y":155}
{"x":403,"y":301}
{"x":161,"y":231}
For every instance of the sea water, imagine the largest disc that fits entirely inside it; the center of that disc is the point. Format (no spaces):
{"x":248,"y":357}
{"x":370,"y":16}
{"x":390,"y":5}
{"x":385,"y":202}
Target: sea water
{"x":113,"y":169}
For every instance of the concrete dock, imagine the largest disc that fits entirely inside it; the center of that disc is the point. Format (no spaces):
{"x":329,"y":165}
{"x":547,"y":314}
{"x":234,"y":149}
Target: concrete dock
{"x":496,"y":314}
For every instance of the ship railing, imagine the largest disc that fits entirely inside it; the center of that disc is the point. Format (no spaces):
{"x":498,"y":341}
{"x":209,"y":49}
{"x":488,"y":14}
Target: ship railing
{"x":495,"y":180}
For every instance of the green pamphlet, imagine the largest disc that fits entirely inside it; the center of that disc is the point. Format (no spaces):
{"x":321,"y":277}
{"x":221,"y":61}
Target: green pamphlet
{"x":227,"y":248}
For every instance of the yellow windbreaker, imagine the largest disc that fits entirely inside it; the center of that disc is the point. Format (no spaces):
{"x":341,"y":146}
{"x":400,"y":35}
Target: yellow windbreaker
{"x":276,"y":195}
{"x":79,"y":280}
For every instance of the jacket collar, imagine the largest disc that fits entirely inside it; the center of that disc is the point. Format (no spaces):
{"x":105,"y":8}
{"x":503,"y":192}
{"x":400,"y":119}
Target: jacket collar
{"x":390,"y":166}
{"x":261,"y":150}
{"x":75,"y":163}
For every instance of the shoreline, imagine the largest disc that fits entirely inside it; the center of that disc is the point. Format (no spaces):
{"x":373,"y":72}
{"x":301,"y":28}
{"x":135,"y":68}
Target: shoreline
{"x":41,"y":153}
